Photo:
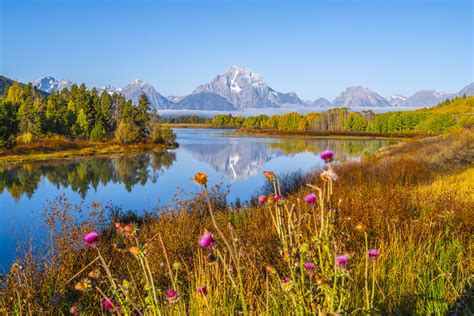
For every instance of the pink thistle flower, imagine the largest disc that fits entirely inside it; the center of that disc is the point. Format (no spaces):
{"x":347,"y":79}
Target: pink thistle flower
{"x":109,"y":305}
{"x":373,"y":254}
{"x":309,"y":267}
{"x":206,"y":240}
{"x":310,"y":199}
{"x":91,"y":239}
{"x":342,"y":260}
{"x":277,"y":197}
{"x":171,"y":295}
{"x":262,"y":199}
{"x":327,"y":156}
{"x":202,"y":290}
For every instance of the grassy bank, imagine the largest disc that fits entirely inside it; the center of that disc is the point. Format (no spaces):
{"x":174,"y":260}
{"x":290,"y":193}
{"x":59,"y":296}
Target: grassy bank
{"x":389,"y":235}
{"x":62,"y":148}
{"x":189,"y":125}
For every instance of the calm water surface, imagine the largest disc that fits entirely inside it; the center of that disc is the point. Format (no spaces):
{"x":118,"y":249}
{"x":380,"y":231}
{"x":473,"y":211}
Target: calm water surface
{"x":143,"y":181}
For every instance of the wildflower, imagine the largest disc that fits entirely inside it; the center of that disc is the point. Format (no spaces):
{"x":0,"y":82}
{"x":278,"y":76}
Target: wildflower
{"x":73,"y":310}
{"x":83,"y":285}
{"x":342,"y":260}
{"x":360,"y":228}
{"x":277,"y":197}
{"x":201,"y":178}
{"x":176,"y":265}
{"x":269,"y":175}
{"x":327,"y":156}
{"x":91,"y":239}
{"x":118,"y":225}
{"x":171,"y":295}
{"x":373,"y":254}
{"x":262,"y":199}
{"x":309,"y":267}
{"x":109,"y":305}
{"x":286,"y":284}
{"x":320,"y":280}
{"x":202,"y":290}
{"x":269,"y":268}
{"x":134,"y":251}
{"x":206,"y":239}
{"x":94,"y":274}
{"x":329,"y":175}
{"x":271,"y":199}
{"x":310,"y":199}
{"x":130,"y":230}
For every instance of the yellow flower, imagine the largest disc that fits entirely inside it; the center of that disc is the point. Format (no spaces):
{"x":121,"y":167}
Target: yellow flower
{"x":134,"y":251}
{"x":360,"y":228}
{"x":200,"y":178}
{"x":269,"y":175}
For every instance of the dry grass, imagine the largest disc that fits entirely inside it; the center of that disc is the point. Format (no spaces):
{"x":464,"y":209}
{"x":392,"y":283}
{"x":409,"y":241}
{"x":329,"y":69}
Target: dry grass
{"x":406,"y":199}
{"x":62,"y":148}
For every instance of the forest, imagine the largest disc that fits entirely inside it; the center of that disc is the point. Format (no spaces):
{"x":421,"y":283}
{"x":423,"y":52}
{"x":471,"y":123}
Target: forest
{"x":80,"y":113}
{"x":439,"y":119}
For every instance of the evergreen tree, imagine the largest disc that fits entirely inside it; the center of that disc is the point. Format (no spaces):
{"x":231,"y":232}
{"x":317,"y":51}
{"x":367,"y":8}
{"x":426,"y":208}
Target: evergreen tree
{"x":8,"y":124}
{"x":142,"y":117}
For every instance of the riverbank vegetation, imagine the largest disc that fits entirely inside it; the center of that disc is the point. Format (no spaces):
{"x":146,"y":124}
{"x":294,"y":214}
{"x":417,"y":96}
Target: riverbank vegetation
{"x":442,"y":118}
{"x":389,"y":235}
{"x":75,"y":117}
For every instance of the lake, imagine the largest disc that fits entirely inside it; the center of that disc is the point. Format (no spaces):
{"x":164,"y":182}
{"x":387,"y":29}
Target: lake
{"x":143,"y":181}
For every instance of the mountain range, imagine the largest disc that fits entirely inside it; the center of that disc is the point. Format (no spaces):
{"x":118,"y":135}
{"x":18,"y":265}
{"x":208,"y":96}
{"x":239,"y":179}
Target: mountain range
{"x":239,"y":88}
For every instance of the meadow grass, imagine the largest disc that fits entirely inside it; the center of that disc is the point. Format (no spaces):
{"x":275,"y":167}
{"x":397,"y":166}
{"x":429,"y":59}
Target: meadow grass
{"x":389,"y":235}
{"x":58,"y":147}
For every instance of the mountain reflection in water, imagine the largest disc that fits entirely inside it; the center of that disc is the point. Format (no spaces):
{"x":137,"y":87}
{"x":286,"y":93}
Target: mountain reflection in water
{"x":236,"y":158}
{"x":143,"y":181}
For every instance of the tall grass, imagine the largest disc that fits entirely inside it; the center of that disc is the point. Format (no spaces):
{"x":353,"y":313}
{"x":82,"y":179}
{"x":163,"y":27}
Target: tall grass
{"x":294,"y":253}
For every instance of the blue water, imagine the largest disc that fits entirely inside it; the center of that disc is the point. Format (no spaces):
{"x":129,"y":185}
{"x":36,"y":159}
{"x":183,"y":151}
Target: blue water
{"x":144,"y":181}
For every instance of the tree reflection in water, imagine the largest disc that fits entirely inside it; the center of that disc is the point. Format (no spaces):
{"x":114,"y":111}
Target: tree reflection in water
{"x":80,"y":175}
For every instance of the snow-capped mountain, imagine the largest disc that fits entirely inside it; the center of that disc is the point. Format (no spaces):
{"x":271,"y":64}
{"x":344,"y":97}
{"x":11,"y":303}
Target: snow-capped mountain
{"x":174,"y":98}
{"x":359,"y":96}
{"x":246,"y":89}
{"x":420,"y":98}
{"x":397,"y":100}
{"x":134,"y":90}
{"x":49,"y":84}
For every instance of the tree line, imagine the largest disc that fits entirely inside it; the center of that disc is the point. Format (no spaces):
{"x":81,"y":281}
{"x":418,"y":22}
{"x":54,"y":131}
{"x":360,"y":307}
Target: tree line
{"x":439,"y":119}
{"x":78,"y":113}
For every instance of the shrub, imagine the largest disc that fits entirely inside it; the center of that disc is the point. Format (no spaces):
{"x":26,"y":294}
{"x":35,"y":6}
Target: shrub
{"x":126,"y":133}
{"x":98,"y":133}
{"x":24,"y":138}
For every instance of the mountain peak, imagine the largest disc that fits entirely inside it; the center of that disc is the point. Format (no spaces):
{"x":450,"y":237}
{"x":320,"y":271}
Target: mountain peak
{"x":246,"y":89}
{"x":360,"y":96}
{"x":49,"y":84}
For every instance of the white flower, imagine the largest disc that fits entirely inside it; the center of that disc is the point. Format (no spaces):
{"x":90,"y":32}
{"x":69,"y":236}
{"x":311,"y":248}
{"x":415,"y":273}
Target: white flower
{"x":329,"y":175}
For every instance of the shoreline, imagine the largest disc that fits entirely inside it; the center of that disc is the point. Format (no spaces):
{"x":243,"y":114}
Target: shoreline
{"x":325,"y":135}
{"x":88,"y":150}
{"x":301,"y":134}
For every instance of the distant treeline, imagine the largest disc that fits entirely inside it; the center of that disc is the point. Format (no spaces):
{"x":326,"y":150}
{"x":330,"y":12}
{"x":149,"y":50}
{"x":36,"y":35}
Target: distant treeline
{"x":78,"y":113}
{"x":439,"y":119}
{"x":185,"y":119}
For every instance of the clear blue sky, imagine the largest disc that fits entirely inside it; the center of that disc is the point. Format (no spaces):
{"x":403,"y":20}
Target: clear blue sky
{"x":315,"y":48}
